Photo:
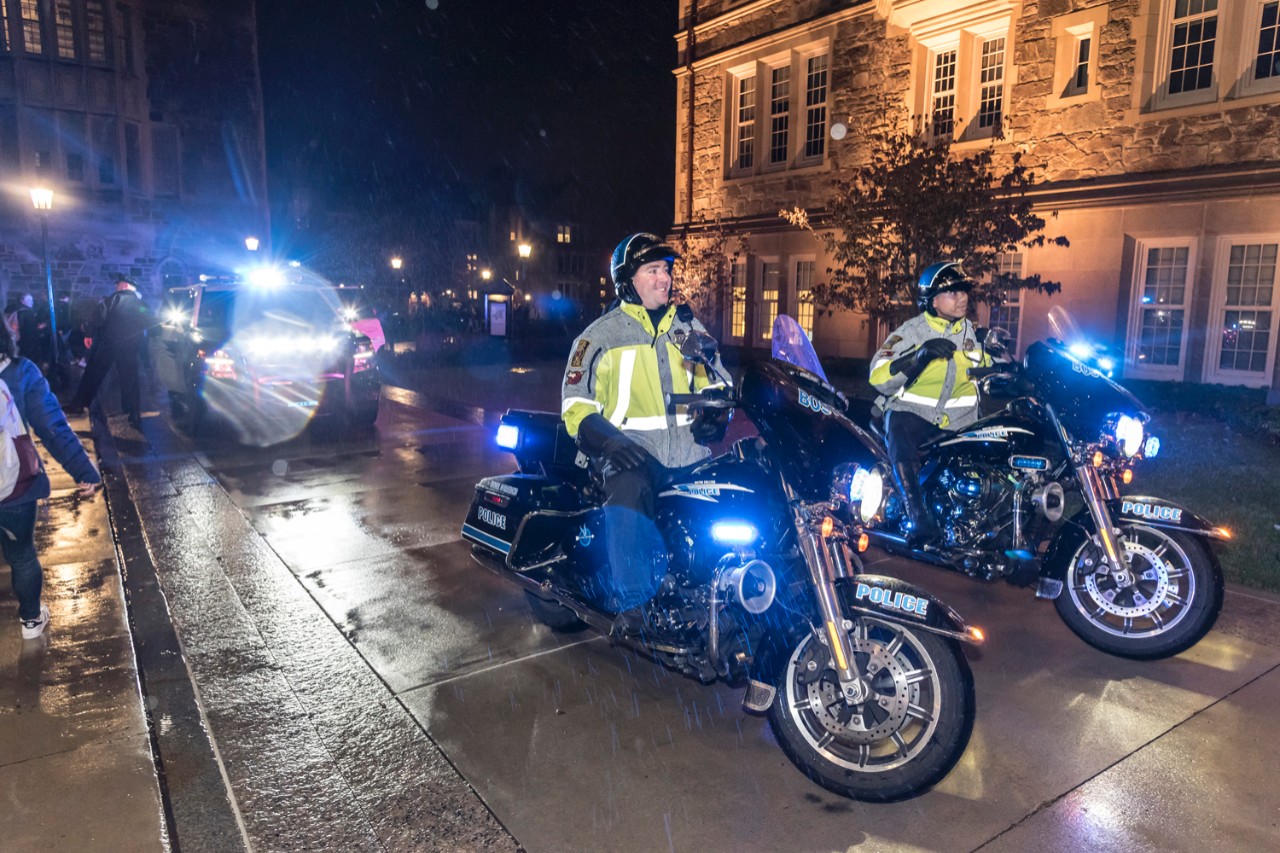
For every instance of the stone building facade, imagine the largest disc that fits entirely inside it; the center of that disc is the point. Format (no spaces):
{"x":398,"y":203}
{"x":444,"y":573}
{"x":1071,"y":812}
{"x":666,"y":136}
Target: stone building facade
{"x":1154,"y":126}
{"x":145,"y":119}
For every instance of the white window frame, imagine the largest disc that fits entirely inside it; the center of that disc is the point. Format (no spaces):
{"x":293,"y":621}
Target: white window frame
{"x":1134,"y":367}
{"x":1016,"y":262}
{"x":967,"y":41}
{"x":806,"y":110}
{"x":796,"y":59}
{"x":737,"y":125}
{"x":798,"y":311}
{"x":788,"y":99}
{"x":999,"y":80}
{"x":764,"y":328}
{"x":1164,"y":59}
{"x":736,"y":311}
{"x":933,"y":95}
{"x":1068,"y":33}
{"x":1218,"y":309}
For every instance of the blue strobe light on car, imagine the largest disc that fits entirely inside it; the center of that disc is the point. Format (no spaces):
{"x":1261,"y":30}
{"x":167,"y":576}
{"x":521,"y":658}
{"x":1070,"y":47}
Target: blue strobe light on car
{"x":508,"y":436}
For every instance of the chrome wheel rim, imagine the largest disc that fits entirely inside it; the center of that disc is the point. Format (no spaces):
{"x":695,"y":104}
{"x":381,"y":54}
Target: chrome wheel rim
{"x":899,"y":716}
{"x":1154,"y":595}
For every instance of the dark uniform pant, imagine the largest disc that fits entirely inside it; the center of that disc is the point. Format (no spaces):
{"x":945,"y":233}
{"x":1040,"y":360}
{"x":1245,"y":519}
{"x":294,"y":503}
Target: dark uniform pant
{"x":904,"y":433}
{"x":125,"y":361}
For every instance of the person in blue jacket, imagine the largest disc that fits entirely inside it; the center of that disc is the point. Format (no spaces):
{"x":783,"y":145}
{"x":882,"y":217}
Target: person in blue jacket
{"x":40,"y":412}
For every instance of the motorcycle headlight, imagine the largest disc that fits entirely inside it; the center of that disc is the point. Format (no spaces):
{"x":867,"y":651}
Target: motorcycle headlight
{"x":1128,"y":434}
{"x":870,"y":495}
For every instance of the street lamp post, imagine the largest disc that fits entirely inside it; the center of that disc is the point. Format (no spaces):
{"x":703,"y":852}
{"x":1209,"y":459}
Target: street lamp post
{"x":42,"y":199}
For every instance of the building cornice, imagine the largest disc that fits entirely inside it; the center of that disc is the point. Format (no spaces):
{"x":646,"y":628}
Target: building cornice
{"x":764,"y":44}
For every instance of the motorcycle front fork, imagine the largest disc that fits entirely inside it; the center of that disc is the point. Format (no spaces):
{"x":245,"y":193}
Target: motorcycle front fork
{"x":828,"y":559}
{"x":1097,"y":490}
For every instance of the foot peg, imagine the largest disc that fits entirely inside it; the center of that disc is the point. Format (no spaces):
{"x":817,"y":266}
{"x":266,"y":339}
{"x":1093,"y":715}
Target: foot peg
{"x":1048,"y":589}
{"x":759,"y":696}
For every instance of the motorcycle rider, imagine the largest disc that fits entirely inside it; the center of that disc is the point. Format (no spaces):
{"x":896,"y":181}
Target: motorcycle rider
{"x":922,"y":373}
{"x":612,"y":400}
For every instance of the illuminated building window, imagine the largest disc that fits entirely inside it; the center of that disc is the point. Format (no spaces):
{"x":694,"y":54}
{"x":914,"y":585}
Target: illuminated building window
{"x":770,"y":278}
{"x":991,"y":83}
{"x":779,"y":113}
{"x":943,"y":107}
{"x":1007,"y":314}
{"x":815,"y":100}
{"x":64,"y":29}
{"x":4,"y":26}
{"x":804,"y":296}
{"x":745,"y":133}
{"x":31,"y":40}
{"x":1161,"y":300}
{"x":738,"y":300}
{"x":563,"y":234}
{"x":95,"y":25}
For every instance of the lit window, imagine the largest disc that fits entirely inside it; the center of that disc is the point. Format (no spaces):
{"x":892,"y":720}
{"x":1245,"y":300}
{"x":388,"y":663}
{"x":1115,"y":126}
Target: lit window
{"x":804,"y":296}
{"x":943,"y":114}
{"x":738,"y":304}
{"x":1007,"y":314}
{"x":4,"y":25}
{"x":1267,"y":64}
{"x":1195,"y":32}
{"x":779,"y":113}
{"x":746,"y":123}
{"x":31,"y":40}
{"x":991,"y":83}
{"x":95,"y":21}
{"x":815,"y":100}
{"x":563,"y":234}
{"x":770,"y":275}
{"x":64,"y":29}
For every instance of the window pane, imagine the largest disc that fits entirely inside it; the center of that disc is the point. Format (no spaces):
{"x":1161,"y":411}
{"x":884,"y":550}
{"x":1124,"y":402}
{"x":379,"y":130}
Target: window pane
{"x":65,"y":29}
{"x":815,"y":99}
{"x":1160,"y":337}
{"x":1195,"y":32}
{"x":991,"y":80}
{"x":1246,"y":337}
{"x":31,"y":27}
{"x":1268,"y":62}
{"x":779,"y":114}
{"x":746,"y":122}
{"x":4,"y":25}
{"x":944,"y":93}
{"x":95,"y":22}
{"x":771,"y":274}
{"x":738,"y":312}
{"x":1166,"y":276}
{"x":804,"y":296}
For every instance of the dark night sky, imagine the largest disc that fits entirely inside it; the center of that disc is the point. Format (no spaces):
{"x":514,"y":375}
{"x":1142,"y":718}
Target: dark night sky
{"x":393,"y":101}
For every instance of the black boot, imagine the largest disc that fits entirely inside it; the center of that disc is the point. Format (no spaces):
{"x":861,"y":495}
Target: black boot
{"x":923,"y":529}
{"x":630,"y":623}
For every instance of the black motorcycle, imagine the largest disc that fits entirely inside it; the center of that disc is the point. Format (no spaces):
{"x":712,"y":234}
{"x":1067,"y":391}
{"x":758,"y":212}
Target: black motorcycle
{"x":1032,"y":493}
{"x":862,"y":676}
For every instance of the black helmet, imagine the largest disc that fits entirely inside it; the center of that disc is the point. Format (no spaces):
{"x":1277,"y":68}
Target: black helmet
{"x":633,"y":253}
{"x":938,"y":278}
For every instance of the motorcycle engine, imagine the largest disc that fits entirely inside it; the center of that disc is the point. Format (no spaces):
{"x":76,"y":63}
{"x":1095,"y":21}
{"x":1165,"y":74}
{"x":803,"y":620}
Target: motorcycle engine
{"x":966,"y":498}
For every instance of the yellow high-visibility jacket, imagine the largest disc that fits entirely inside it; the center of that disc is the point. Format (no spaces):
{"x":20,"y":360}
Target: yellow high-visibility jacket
{"x":943,"y":394}
{"x":621,"y":367}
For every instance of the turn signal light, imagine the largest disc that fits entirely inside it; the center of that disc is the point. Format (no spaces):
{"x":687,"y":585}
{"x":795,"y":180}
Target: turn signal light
{"x":828,"y":527}
{"x":1224,"y":532}
{"x":863,"y":542}
{"x":1097,"y":459}
{"x":1127,"y":476}
{"x":976,"y":634}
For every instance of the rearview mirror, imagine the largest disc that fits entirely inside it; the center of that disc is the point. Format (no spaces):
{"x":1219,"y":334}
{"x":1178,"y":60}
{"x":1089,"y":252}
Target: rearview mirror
{"x":698,"y":347}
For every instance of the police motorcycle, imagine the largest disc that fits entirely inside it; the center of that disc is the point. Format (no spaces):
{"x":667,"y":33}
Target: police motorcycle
{"x":862,"y":676}
{"x":1032,"y":494}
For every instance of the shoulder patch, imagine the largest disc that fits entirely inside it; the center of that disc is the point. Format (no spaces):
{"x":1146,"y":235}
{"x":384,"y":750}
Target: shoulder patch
{"x":573,"y":377}
{"x":579,"y":352}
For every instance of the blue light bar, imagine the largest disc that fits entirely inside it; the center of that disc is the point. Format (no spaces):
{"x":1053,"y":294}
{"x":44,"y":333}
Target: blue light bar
{"x":734,"y":532}
{"x":508,"y":436}
{"x":1151,"y":449}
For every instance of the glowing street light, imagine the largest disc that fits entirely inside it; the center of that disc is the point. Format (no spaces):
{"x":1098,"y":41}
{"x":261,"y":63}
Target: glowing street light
{"x":251,"y":243}
{"x":397,"y":262}
{"x":42,"y":200}
{"x":486,"y":274}
{"x":525,"y":251}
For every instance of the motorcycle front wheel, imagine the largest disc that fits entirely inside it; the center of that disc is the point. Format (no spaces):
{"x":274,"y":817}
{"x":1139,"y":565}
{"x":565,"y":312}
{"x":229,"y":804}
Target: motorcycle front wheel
{"x":1166,"y":600}
{"x":909,"y":732}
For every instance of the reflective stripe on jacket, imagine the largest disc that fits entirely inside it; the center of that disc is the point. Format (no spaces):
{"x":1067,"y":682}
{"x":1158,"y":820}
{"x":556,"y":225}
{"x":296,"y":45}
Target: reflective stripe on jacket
{"x":943,"y":394}
{"x":621,"y":367}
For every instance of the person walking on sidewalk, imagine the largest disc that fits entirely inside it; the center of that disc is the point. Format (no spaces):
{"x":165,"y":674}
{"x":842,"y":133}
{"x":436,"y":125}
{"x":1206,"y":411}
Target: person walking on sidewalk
{"x":117,"y":343}
{"x":37,"y":408}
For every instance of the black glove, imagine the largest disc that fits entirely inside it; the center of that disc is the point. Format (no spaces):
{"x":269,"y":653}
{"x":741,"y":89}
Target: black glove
{"x":913,"y":363}
{"x":710,"y":425}
{"x":601,"y":439}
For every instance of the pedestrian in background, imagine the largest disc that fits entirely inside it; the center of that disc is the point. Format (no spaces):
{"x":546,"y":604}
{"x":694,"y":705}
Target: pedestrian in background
{"x":27,"y":390}
{"x":25,"y":327}
{"x":117,"y":343}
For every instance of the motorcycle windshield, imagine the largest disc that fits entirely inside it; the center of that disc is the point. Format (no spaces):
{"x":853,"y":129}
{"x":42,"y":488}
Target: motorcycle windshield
{"x":791,"y":344}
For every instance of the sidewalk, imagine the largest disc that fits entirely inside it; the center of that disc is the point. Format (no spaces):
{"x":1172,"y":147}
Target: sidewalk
{"x":76,"y":768}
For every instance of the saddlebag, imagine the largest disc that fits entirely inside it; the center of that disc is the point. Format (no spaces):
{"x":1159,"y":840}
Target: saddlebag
{"x":525,"y":518}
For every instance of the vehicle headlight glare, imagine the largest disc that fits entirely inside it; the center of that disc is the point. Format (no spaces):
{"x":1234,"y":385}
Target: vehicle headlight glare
{"x":856,"y":483}
{"x":1129,"y":434}
{"x":871,"y":495}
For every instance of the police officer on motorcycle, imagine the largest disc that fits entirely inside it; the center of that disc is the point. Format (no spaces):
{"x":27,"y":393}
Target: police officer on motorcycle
{"x":613,"y":400}
{"x":922,"y":373}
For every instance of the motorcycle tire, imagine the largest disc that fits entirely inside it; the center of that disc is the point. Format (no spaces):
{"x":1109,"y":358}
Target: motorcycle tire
{"x":903,"y":740}
{"x":553,"y":614}
{"x":1173,"y":600}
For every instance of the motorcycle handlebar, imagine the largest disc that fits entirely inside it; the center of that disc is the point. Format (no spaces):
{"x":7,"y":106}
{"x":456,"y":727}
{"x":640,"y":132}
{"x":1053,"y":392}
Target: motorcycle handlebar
{"x":994,"y":370}
{"x":697,"y":401}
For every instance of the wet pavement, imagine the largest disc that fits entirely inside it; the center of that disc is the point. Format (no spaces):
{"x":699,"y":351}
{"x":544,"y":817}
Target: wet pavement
{"x":368,"y":686}
{"x":76,"y":770}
